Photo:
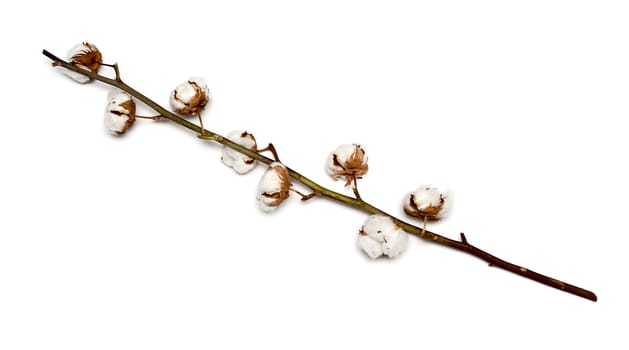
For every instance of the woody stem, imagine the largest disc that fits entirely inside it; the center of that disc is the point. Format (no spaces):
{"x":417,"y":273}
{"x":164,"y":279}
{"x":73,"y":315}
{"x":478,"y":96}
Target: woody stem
{"x":356,"y":193}
{"x":319,"y":190}
{"x":304,"y":197}
{"x":152,"y":117}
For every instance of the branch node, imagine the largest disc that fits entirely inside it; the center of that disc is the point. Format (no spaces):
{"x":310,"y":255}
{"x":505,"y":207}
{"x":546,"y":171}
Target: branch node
{"x":304,"y":197}
{"x":210,"y":137}
{"x":117,"y":71}
{"x":463,"y":239}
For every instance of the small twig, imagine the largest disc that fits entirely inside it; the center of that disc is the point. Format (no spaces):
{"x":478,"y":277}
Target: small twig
{"x":271,"y":149}
{"x":304,"y":197}
{"x":154,"y":117}
{"x":355,"y":189}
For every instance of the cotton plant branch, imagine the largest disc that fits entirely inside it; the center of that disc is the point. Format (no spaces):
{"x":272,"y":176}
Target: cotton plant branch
{"x":317,"y":190}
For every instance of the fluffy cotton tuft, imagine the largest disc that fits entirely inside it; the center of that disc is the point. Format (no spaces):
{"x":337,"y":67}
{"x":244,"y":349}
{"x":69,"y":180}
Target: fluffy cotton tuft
{"x":372,"y":248}
{"x":120,"y":113}
{"x":239,"y":162}
{"x":347,"y":161}
{"x":117,"y":124}
{"x":274,"y":187}
{"x":377,"y":226}
{"x":395,"y":244}
{"x":380,"y":235}
{"x":427,"y":202}
{"x":191,"y":97}
{"x":78,"y":77}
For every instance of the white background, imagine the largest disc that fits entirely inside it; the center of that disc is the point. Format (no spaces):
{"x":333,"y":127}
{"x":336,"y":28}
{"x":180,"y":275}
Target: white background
{"x":148,"y":242}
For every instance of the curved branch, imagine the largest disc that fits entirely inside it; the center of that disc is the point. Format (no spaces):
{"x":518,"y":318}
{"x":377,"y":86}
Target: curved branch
{"x":322,"y":191}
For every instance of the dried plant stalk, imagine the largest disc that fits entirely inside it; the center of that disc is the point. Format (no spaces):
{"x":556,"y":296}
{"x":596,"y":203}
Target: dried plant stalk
{"x":321,"y":191}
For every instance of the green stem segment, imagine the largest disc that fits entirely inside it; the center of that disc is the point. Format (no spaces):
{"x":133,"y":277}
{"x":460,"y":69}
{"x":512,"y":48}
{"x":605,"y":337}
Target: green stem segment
{"x":462,"y":245}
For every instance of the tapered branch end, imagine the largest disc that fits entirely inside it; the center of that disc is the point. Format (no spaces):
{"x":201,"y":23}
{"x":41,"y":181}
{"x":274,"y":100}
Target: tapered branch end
{"x":308,"y":196}
{"x":52,"y":57}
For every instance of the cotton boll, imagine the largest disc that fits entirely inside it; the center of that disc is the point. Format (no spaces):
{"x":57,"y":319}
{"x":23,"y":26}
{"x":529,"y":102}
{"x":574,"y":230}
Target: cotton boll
{"x":239,"y":162}
{"x":347,"y":161}
{"x":274,"y":187}
{"x":427,"y":202}
{"x":84,"y":56}
{"x":380,"y":235}
{"x":191,"y":97}
{"x":120,"y":113}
